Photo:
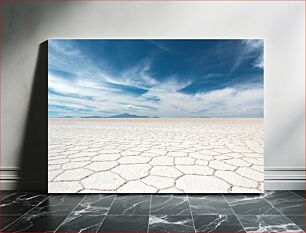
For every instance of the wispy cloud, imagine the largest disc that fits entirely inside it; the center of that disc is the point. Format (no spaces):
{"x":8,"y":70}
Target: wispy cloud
{"x":250,"y":49}
{"x":138,"y":75}
{"x":160,"y":46}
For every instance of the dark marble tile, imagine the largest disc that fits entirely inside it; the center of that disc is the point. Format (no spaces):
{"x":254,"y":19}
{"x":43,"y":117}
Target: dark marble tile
{"x":217,"y":223}
{"x":299,"y":220}
{"x":21,"y":202}
{"x":4,"y":194}
{"x":81,"y":223}
{"x":130,"y":204}
{"x":7,"y":220}
{"x":170,"y":205}
{"x":63,"y":199}
{"x":44,"y":209}
{"x":286,"y":202}
{"x":166,"y":223}
{"x":124,"y":223}
{"x":266,"y":223}
{"x":95,"y":204}
{"x":209,"y":205}
{"x":250,"y":205}
{"x":57,"y":205}
{"x":35,"y":223}
{"x":233,"y":197}
{"x":300,"y":193}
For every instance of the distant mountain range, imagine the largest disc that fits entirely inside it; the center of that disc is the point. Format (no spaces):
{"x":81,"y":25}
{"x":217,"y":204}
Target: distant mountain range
{"x":123,"y":115}
{"x":126,"y":115}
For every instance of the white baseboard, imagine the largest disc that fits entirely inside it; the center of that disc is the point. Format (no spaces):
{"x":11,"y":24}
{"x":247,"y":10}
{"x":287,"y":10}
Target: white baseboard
{"x":284,"y":184}
{"x":9,"y":178}
{"x":284,"y":178}
{"x":276,"y":178}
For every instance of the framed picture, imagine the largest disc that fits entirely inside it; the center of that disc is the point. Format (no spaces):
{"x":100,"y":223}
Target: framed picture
{"x":155,"y":116}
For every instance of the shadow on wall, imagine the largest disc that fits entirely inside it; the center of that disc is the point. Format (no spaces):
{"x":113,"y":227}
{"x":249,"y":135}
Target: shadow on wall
{"x":34,"y":152}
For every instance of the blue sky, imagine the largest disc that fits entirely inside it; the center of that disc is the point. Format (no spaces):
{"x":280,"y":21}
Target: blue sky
{"x":163,"y":78}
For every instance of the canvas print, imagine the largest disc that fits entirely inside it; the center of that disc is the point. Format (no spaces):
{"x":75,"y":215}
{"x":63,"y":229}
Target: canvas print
{"x":155,"y":116}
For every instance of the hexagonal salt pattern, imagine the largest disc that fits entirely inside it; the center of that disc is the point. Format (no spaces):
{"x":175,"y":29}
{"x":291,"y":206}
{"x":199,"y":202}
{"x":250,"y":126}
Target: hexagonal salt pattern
{"x":155,"y":155}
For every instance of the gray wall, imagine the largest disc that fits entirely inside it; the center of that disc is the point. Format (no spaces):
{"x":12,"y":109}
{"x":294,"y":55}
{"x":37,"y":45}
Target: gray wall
{"x":27,"y":25}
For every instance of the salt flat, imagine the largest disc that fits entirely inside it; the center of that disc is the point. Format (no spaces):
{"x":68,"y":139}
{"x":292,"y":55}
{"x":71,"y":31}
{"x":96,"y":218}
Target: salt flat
{"x":160,"y":155}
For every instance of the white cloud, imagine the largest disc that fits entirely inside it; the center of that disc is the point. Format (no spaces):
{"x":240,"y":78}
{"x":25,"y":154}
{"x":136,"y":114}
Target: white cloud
{"x":259,"y":63}
{"x":251,"y":46}
{"x":225,"y":102}
{"x":160,"y":46}
{"x":138,"y":76}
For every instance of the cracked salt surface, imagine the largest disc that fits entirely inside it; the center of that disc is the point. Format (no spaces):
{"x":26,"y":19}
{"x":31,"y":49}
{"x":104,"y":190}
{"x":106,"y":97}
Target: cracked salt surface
{"x":155,"y":155}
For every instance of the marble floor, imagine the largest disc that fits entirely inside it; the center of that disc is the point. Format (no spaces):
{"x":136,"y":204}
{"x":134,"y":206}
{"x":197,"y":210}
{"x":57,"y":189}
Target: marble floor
{"x":179,"y":155}
{"x":273,"y":211}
